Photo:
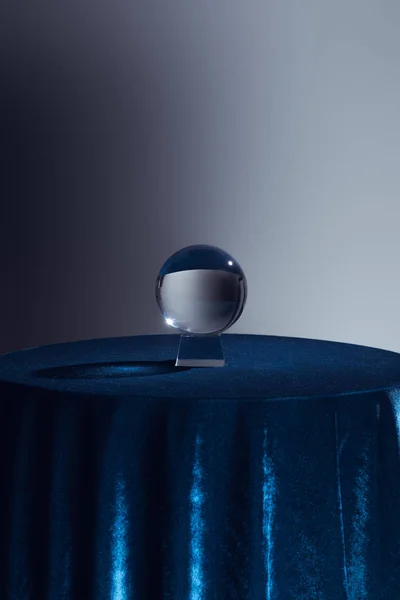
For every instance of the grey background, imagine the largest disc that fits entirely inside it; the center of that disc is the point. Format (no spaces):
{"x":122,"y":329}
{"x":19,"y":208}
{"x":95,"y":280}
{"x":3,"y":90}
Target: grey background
{"x":131,"y":129}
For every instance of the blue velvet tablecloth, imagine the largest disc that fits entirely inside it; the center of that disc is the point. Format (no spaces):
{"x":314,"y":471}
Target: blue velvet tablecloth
{"x":276,"y":477}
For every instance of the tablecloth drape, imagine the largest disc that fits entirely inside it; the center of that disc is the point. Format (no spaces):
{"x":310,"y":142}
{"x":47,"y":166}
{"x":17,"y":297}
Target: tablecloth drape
{"x":276,"y":477}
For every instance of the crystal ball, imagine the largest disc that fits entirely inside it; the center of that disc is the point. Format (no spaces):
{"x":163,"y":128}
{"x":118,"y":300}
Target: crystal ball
{"x":201,"y":290}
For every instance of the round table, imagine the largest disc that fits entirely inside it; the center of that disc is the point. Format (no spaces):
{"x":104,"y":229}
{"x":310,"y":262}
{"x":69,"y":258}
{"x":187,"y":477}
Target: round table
{"x":276,"y":477}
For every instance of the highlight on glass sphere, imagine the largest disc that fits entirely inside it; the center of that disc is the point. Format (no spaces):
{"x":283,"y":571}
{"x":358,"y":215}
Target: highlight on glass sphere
{"x":201,"y":290}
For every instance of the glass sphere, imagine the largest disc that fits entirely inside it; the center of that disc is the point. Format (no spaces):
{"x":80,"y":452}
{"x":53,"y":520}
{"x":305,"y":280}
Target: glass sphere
{"x":201,"y":290}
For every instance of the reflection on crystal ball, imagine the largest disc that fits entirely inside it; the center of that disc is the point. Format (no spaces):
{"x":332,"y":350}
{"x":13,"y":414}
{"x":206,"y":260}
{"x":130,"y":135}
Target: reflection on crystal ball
{"x":201,"y":290}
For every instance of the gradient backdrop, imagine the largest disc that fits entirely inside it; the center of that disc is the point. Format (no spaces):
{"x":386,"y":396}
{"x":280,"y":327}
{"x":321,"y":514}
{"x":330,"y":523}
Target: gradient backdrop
{"x":131,"y":129}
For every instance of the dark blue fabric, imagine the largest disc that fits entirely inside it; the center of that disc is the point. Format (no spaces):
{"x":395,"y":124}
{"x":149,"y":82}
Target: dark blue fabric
{"x":276,"y":477}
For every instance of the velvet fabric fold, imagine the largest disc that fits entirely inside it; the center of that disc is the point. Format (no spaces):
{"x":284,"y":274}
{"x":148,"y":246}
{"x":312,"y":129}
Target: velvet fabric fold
{"x":276,"y":477}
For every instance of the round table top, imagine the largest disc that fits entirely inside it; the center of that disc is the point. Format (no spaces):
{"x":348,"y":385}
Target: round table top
{"x":258,"y":367}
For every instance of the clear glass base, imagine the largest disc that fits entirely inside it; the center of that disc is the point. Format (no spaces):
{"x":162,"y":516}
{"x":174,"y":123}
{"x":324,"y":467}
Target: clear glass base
{"x":200,"y":351}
